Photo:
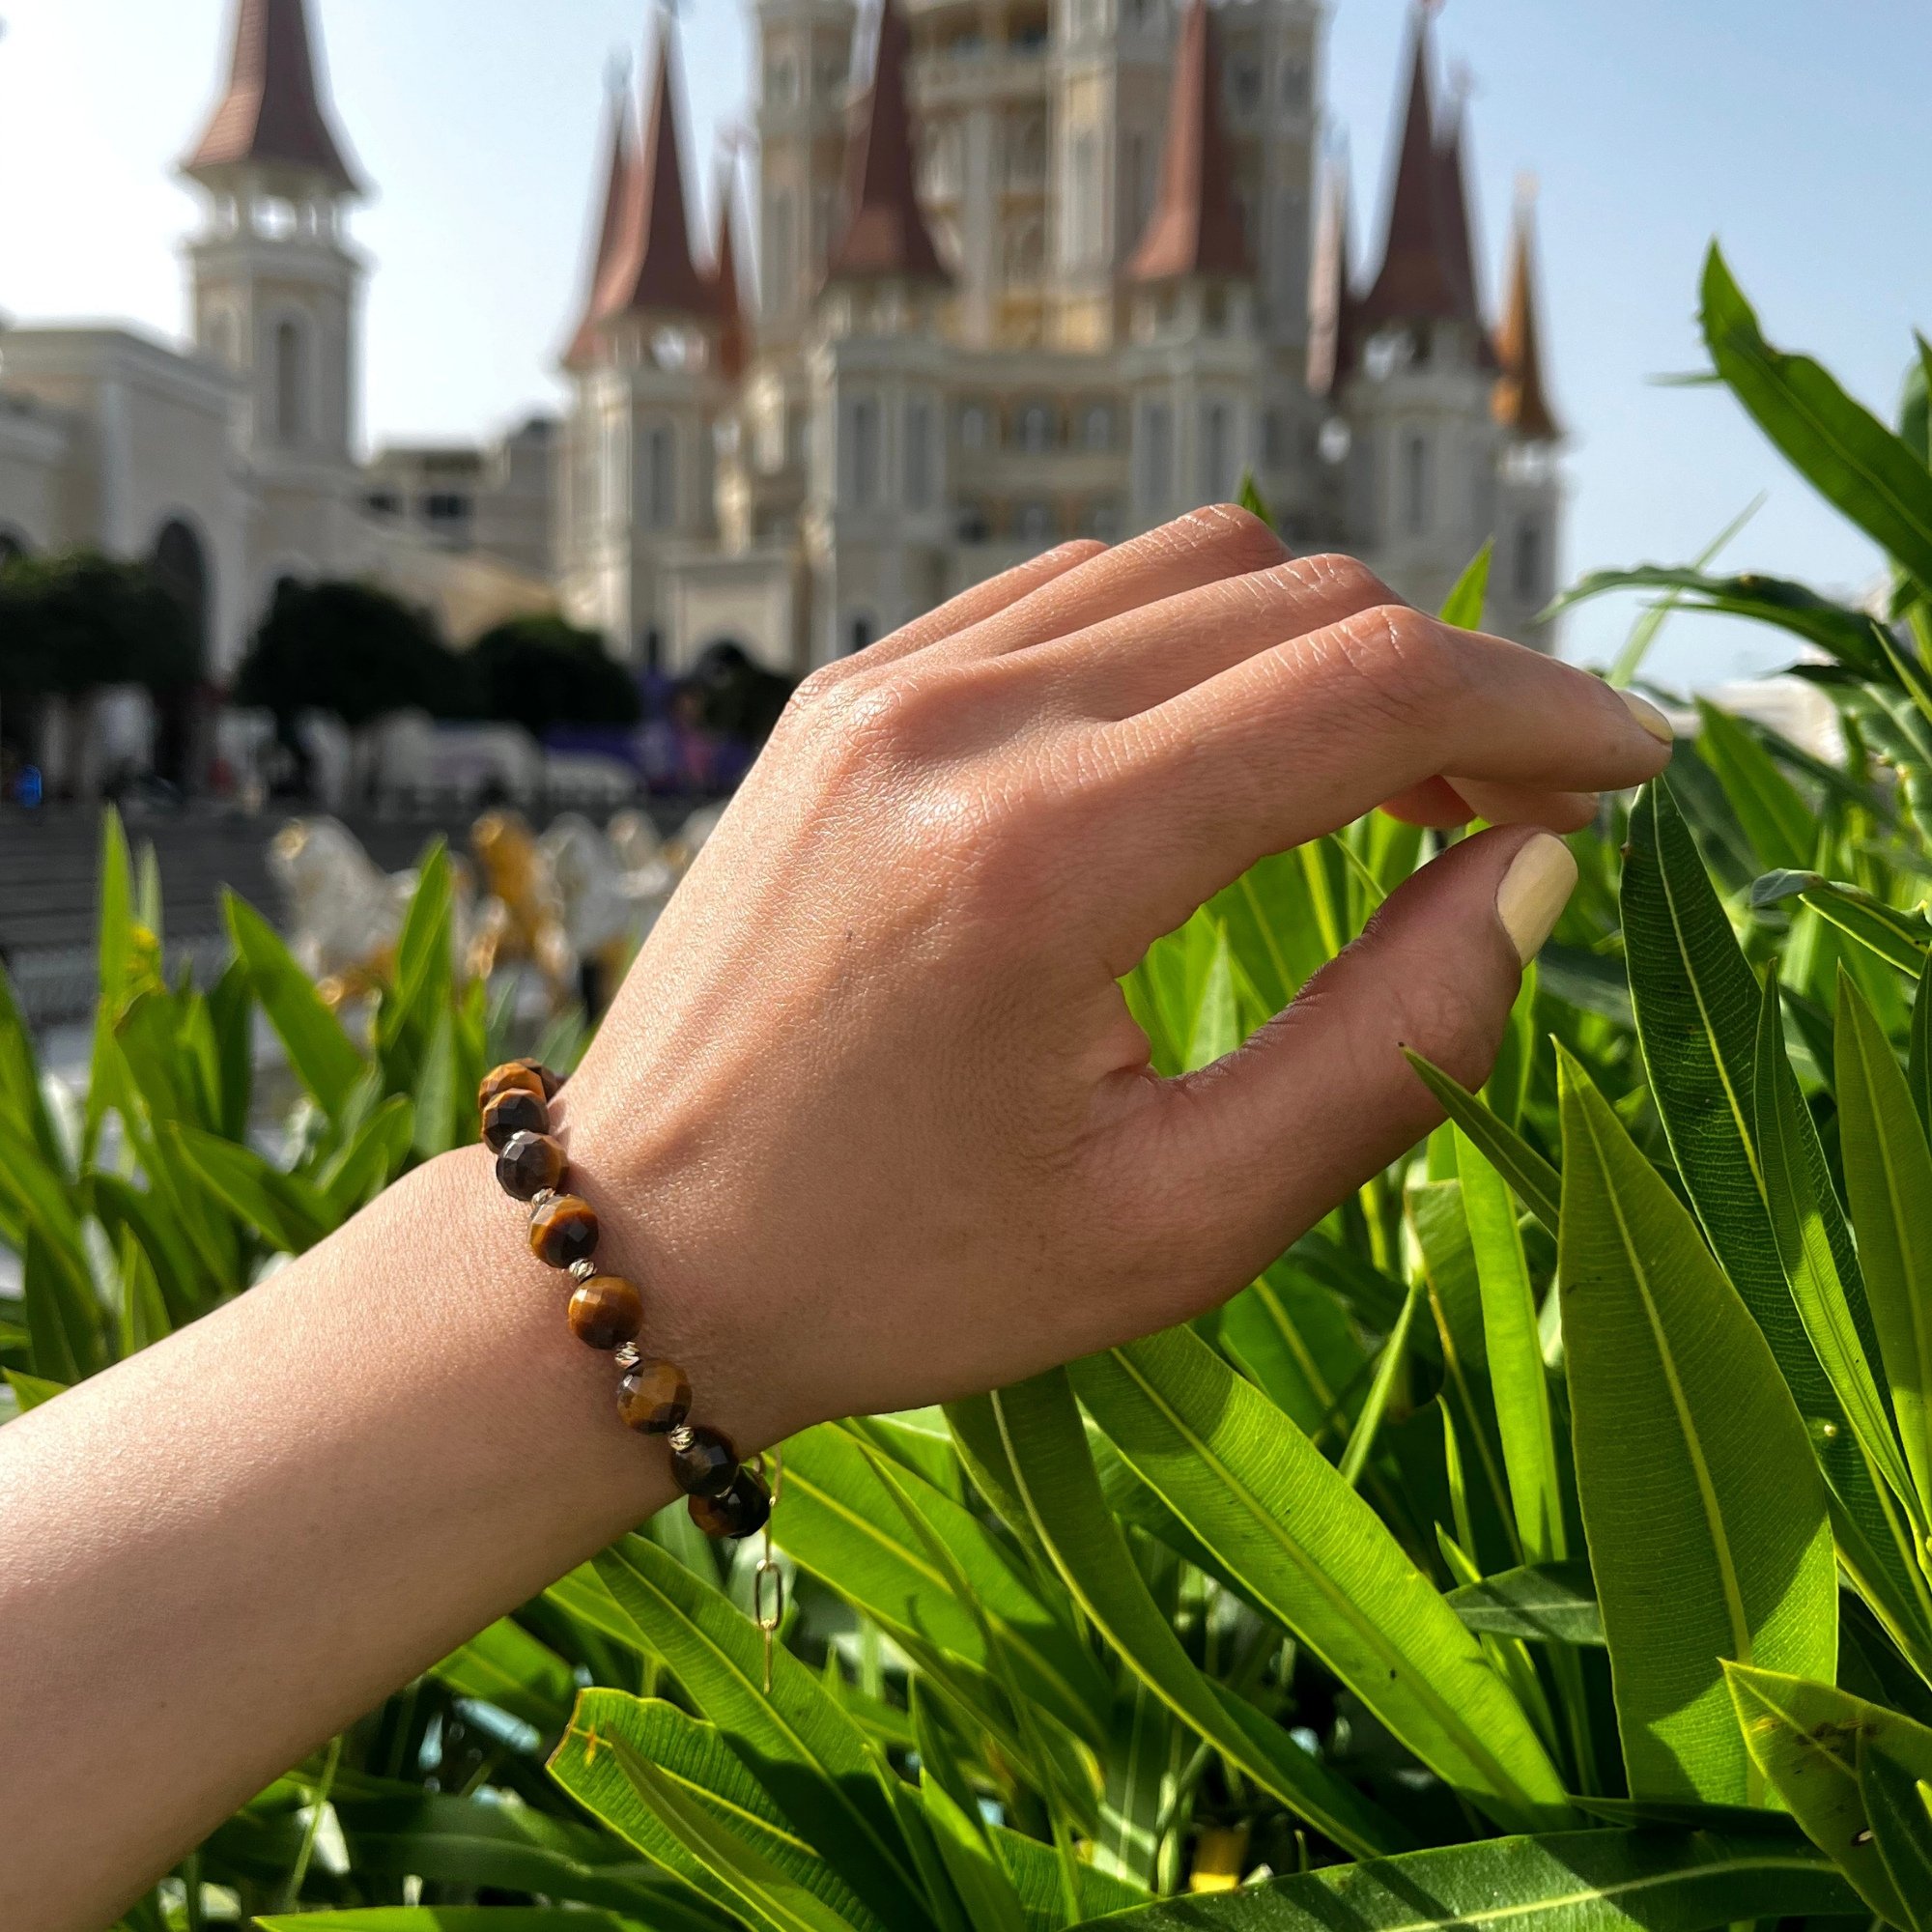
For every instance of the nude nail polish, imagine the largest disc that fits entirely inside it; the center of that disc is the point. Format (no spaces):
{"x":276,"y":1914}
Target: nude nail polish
{"x":1650,"y":718}
{"x":1534,"y":891}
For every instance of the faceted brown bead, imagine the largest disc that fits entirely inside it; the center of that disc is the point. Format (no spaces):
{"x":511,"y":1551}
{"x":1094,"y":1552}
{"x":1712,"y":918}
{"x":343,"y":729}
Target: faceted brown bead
{"x":514,"y":1111}
{"x":529,"y":1164}
{"x":741,"y":1510}
{"x":606,"y":1310}
{"x":705,"y":1464}
{"x":654,"y":1397}
{"x":514,"y":1075}
{"x":563,"y":1231}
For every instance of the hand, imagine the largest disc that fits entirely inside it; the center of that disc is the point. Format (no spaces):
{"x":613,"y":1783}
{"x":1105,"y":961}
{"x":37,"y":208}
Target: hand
{"x":870,"y":1120}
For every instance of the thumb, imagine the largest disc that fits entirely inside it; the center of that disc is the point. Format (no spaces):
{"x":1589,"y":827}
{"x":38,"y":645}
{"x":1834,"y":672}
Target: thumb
{"x":1266,"y":1142}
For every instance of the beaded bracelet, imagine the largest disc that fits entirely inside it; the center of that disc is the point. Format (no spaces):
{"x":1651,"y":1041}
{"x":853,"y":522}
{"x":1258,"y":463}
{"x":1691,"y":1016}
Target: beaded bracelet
{"x":607,"y":1311}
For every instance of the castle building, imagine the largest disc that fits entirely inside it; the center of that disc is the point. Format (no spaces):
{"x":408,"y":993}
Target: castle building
{"x":1047,"y":269}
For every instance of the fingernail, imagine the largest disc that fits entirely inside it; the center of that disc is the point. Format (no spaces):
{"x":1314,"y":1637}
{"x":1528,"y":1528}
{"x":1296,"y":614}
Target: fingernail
{"x":1650,"y":718}
{"x":1534,"y":891}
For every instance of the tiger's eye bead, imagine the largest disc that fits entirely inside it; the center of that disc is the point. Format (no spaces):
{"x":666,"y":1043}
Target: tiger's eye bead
{"x":529,"y":1164}
{"x":606,"y":1310}
{"x":741,"y":1510}
{"x":514,"y":1112}
{"x":705,"y":1464}
{"x":654,"y":1398}
{"x":563,"y":1230}
{"x":513,"y":1077}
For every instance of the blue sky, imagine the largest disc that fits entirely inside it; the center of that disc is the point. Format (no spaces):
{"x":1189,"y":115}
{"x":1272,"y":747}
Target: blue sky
{"x":1790,"y":130}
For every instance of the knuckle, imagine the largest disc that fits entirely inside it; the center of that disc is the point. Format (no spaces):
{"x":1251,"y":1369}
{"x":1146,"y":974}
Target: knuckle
{"x":1399,"y":660}
{"x":1347,"y":578}
{"x":1234,"y":535}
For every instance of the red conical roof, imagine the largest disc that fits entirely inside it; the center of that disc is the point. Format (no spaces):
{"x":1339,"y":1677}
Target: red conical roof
{"x":1331,"y":293}
{"x":1195,"y":228}
{"x":1522,"y":402}
{"x":733,"y":346}
{"x":622,"y":165}
{"x":272,"y":112}
{"x":1420,"y":281}
{"x":651,"y":272}
{"x":1458,"y":245}
{"x":884,"y":230}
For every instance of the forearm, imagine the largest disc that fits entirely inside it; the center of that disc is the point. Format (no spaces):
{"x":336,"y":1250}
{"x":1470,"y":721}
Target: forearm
{"x":223,"y":1550}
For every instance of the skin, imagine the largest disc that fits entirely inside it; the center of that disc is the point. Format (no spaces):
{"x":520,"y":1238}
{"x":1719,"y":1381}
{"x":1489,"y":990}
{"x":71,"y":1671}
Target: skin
{"x":870,"y":1123}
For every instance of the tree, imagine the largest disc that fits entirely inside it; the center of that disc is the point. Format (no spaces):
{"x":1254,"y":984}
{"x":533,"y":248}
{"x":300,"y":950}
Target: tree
{"x":349,"y":649}
{"x":71,"y":623}
{"x":541,"y":671}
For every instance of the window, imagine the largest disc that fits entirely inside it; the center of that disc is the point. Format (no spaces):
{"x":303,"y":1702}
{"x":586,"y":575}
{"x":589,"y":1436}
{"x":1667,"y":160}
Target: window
{"x":1156,"y":455}
{"x":919,"y":456}
{"x":975,"y":426}
{"x":781,"y":83}
{"x":1529,"y":567}
{"x":1033,"y":430}
{"x":1244,"y":83}
{"x":1083,"y":219}
{"x":446,"y":506}
{"x":1415,"y":485}
{"x":1033,"y":522}
{"x":1294,"y":90}
{"x":1097,"y":427}
{"x":383,"y":502}
{"x":291,"y":385}
{"x":1102,"y":520}
{"x":1214,"y":482}
{"x":780,"y":257}
{"x":857,"y":633}
{"x":863,"y":472}
{"x":1140,"y":184}
{"x":659,"y":477}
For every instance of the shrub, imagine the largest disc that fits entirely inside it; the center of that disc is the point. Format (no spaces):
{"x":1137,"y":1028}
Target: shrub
{"x":541,"y":671}
{"x":1542,"y":1538}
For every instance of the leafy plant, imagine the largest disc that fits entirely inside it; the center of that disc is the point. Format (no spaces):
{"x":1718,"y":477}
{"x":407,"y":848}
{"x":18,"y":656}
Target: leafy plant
{"x":1540,"y":1542}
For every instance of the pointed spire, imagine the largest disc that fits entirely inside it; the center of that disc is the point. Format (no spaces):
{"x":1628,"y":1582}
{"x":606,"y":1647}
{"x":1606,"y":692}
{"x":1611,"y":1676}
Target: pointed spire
{"x":733,"y":347}
{"x":885,"y":232}
{"x":1522,"y":402}
{"x":651,"y":272}
{"x":1332,"y":306}
{"x":622,"y":165}
{"x":1452,"y":189}
{"x":1418,"y":281}
{"x":1195,"y":228}
{"x":273,"y":113}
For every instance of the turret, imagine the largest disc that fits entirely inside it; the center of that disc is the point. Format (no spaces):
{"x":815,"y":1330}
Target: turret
{"x":1530,"y":496}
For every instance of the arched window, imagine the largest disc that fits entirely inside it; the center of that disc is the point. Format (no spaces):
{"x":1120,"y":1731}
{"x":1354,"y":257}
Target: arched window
{"x":973,"y":425}
{"x":857,"y":633}
{"x":1097,"y":427}
{"x":290,"y":384}
{"x":1415,"y":491}
{"x":1529,"y":565}
{"x":1032,"y":429}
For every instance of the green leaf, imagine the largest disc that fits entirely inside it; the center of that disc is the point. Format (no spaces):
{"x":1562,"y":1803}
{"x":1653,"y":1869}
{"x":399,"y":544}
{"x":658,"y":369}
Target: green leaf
{"x":284,"y":1210}
{"x":1546,"y":1602}
{"x":505,"y":1665}
{"x":370,"y":1158}
{"x":1695,"y":1469}
{"x":709,"y":1780}
{"x":965,"y":1845}
{"x":1259,"y":1496}
{"x":803,"y":1747}
{"x":1535,"y":1181}
{"x":600,"y":1766}
{"x":1896,"y":1801}
{"x":323,"y":1057}
{"x":1518,"y":1382}
{"x":465,"y":1919}
{"x":30,"y":1391}
{"x":1778,"y":820}
{"x":1918,"y":1069}
{"x":1047,"y":1452}
{"x":64,"y":1329}
{"x":1805,"y":1738}
{"x":1571,"y":1882}
{"x":1850,"y":458}
{"x":1898,"y":937}
{"x":1798,"y":1190}
{"x":1889,"y":1183}
{"x":1464,"y":606}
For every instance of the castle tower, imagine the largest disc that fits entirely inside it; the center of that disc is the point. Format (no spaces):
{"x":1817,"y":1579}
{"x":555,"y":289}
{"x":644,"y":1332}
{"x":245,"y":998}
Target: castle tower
{"x":1197,"y":359}
{"x":804,"y":49}
{"x":1421,"y":483}
{"x":1524,"y":578}
{"x":877,"y":491}
{"x":646,"y":388}
{"x":275,"y":285}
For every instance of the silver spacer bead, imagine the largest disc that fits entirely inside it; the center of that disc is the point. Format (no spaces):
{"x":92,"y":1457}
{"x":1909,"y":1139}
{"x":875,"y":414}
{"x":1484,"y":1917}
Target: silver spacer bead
{"x":582,"y":1271}
{"x":542,"y":1198}
{"x":626,"y":1356}
{"x":681,"y":1437}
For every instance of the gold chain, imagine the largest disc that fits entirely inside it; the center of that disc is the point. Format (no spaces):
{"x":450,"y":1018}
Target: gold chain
{"x":768,"y":1580}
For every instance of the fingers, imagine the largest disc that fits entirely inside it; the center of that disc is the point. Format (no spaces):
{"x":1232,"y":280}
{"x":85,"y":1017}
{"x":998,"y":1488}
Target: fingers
{"x":983,"y":600}
{"x":1265,"y":1142}
{"x":1443,"y":803}
{"x":1305,"y":736}
{"x":1204,"y":548}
